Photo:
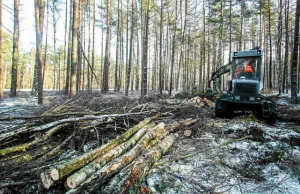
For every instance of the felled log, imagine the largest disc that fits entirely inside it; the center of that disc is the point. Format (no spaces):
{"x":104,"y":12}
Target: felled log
{"x":81,"y":175}
{"x":78,"y":162}
{"x":62,"y":121}
{"x":186,"y":122}
{"x":26,"y":157}
{"x":135,"y":172}
{"x":124,"y":160}
{"x":187,"y":133}
{"x":201,"y":102}
{"x":25,"y":146}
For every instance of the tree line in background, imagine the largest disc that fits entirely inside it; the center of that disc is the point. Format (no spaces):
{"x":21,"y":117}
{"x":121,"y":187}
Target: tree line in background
{"x":149,"y":45}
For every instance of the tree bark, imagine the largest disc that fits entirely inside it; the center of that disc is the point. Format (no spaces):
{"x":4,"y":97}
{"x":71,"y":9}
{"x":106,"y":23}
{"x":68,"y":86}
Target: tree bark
{"x":70,"y":166}
{"x":295,"y":55}
{"x":173,"y":50}
{"x":74,"y":52}
{"x":145,"y":52}
{"x":136,"y":172}
{"x":130,"y":49}
{"x":80,"y":176}
{"x":39,"y":22}
{"x":105,"y":84}
{"x":1,"y":64}
{"x":15,"y":54}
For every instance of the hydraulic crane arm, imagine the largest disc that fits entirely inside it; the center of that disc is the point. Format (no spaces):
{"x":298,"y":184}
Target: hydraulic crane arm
{"x":220,"y":71}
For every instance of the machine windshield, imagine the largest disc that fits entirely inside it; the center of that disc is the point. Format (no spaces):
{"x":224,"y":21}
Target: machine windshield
{"x":245,"y":68}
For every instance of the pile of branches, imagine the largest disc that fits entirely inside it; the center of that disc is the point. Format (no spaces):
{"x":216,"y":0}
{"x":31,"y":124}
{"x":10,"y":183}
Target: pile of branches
{"x":65,"y":150}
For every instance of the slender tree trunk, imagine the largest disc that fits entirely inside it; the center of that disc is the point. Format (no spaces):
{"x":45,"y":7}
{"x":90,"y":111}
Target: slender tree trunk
{"x":74,"y":54}
{"x":160,"y":48}
{"x":39,"y":21}
{"x":117,"y":47}
{"x":279,"y":39}
{"x":15,"y":54}
{"x":93,"y":44}
{"x":294,"y":72}
{"x":79,"y":50}
{"x":173,"y":50}
{"x":1,"y":64}
{"x":107,"y":50}
{"x":130,"y":49}
{"x":270,"y":46}
{"x":145,"y":51}
{"x":45,"y":66}
{"x":69,"y":60}
{"x":286,"y":54}
{"x":65,"y":36}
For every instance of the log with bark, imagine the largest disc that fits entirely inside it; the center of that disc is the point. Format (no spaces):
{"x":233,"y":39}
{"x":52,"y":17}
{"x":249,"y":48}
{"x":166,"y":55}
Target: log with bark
{"x":81,"y":175}
{"x":25,"y":146}
{"x":122,"y":161}
{"x":107,"y":171}
{"x":134,"y":173}
{"x":63,"y":121}
{"x":68,"y":167}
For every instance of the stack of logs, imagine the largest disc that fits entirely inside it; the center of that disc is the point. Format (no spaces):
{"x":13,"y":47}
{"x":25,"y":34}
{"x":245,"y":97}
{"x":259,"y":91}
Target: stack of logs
{"x":201,"y":102}
{"x":115,"y":167}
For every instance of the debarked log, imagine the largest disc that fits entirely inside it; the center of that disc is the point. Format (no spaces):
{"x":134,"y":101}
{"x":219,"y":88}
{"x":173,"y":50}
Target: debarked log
{"x":78,"y":162}
{"x":136,"y":171}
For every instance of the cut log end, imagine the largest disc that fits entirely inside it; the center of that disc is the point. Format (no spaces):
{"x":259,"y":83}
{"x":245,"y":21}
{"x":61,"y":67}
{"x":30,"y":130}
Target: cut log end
{"x":54,"y":174}
{"x":70,"y":184}
{"x":46,"y":180}
{"x":187,"y":133}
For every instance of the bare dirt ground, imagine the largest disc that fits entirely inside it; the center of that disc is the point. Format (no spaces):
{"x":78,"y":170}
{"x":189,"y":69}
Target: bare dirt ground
{"x":237,"y":155}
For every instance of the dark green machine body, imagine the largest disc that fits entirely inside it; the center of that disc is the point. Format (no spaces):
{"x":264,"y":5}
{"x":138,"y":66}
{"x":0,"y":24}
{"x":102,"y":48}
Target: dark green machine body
{"x":244,"y":84}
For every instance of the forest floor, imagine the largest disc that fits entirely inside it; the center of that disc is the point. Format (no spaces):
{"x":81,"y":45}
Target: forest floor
{"x":237,"y":155}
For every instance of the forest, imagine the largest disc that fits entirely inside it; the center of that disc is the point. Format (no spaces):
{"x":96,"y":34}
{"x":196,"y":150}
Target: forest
{"x":147,"y":45}
{"x":135,"y":96}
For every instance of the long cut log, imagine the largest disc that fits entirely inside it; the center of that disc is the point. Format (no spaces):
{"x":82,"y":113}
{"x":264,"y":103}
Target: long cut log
{"x":62,"y":121}
{"x":76,"y":163}
{"x":25,"y":146}
{"x":121,"y":162}
{"x":81,"y":175}
{"x":136,"y":171}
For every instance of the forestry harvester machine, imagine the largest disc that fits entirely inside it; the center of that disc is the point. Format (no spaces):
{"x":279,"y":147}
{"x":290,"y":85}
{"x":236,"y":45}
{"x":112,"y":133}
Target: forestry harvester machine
{"x":244,"y":83}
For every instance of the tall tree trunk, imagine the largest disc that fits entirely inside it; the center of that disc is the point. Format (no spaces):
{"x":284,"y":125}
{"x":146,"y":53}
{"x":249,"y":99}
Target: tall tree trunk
{"x":160,"y":48}
{"x":294,"y":72}
{"x":74,"y":54}
{"x":270,"y":46}
{"x":117,"y":47}
{"x":54,"y":20}
{"x":65,"y":36}
{"x":130,"y":49}
{"x":1,"y":64}
{"x":69,"y":60}
{"x":105,"y":88}
{"x":79,"y":50}
{"x":145,"y":51}
{"x":279,"y":39}
{"x":173,"y":50}
{"x":93,"y":43}
{"x":15,"y":54}
{"x":286,"y":54}
{"x":39,"y":22}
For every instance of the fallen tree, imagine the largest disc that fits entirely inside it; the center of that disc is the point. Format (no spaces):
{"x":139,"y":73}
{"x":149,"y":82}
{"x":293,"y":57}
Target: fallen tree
{"x":134,"y":173}
{"x":55,"y":174}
